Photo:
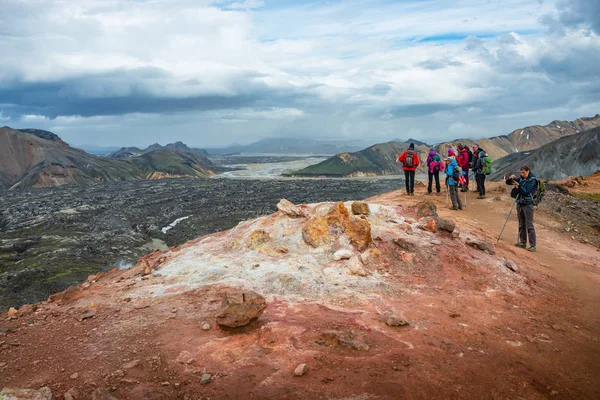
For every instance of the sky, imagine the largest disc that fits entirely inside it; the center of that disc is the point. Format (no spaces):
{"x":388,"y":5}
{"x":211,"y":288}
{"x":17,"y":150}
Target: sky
{"x":212,"y":73}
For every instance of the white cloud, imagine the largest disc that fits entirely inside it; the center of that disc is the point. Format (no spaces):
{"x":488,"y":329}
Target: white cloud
{"x":33,"y":118}
{"x":357,"y":68}
{"x":246,"y":5}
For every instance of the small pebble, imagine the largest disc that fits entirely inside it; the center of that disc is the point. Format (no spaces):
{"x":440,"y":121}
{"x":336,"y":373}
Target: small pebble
{"x":205,"y":379}
{"x":301,"y":370}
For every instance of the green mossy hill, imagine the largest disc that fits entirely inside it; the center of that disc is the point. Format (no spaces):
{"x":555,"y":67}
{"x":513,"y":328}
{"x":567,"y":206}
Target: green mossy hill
{"x":173,"y":163}
{"x":379,"y":159}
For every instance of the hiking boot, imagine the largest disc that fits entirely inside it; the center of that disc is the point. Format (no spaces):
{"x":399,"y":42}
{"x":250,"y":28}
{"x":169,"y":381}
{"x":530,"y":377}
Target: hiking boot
{"x":521,"y":245}
{"x":481,"y":197}
{"x":453,"y":208}
{"x":412,"y":194}
{"x":532,"y":249}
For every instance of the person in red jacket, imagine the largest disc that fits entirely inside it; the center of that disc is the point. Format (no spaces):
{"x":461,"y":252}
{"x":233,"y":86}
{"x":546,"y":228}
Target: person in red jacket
{"x":410,"y":162}
{"x":463,"y":161}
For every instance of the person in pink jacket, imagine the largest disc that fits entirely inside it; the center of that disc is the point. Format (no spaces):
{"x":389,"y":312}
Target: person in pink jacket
{"x":434,"y":167}
{"x":463,"y":161}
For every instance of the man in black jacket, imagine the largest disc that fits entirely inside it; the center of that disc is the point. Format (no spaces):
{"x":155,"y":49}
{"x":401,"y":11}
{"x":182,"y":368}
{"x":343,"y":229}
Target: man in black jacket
{"x":527,"y":185}
{"x":473,"y":165}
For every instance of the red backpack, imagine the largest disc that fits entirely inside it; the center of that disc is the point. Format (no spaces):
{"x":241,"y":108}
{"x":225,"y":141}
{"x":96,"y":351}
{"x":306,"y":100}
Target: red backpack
{"x":409,"y":161}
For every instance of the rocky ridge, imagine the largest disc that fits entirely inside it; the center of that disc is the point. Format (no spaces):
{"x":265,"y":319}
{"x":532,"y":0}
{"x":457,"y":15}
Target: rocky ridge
{"x":34,"y":158}
{"x":577,"y":155}
{"x":380,"y":158}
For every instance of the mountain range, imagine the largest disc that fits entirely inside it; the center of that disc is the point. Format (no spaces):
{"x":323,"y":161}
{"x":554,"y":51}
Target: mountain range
{"x":573,"y":155}
{"x":380,"y":159}
{"x":291,"y":146}
{"x":36,"y":158}
{"x":130,"y":152}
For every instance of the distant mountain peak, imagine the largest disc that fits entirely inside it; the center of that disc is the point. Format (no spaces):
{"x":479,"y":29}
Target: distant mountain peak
{"x":42,"y":134}
{"x":416,"y":142}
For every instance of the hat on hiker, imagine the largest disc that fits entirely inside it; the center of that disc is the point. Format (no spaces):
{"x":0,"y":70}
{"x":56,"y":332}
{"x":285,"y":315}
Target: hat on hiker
{"x":412,"y":146}
{"x":450,"y":152}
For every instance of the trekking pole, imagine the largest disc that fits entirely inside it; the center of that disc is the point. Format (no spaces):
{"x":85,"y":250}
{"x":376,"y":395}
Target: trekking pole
{"x":507,"y":218}
{"x":446,"y":195}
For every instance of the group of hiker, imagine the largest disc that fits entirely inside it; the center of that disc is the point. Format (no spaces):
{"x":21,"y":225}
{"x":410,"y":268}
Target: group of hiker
{"x":457,"y":165}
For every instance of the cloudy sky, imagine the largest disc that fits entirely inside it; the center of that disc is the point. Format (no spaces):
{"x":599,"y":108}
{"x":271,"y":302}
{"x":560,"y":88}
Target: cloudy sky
{"x":134,"y":72}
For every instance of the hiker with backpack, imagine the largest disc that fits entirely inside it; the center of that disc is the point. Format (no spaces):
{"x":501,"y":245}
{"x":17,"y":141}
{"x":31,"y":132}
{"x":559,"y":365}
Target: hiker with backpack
{"x":463,"y":159}
{"x":483,"y":167}
{"x":434,"y":166}
{"x":453,"y":172}
{"x":528,"y":191}
{"x":475,"y":153}
{"x":410,"y":162}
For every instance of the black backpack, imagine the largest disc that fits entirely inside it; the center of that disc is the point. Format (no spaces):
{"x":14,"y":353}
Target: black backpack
{"x":470,"y":156}
{"x":456,"y":174}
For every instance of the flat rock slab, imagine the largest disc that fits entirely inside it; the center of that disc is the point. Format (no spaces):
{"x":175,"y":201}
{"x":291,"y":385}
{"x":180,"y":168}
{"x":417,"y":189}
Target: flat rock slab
{"x":481,"y":245}
{"x":240,"y":308}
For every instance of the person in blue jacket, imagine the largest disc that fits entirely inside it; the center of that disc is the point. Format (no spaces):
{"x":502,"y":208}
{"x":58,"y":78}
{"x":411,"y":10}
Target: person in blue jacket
{"x":527,"y":184}
{"x":451,"y":164}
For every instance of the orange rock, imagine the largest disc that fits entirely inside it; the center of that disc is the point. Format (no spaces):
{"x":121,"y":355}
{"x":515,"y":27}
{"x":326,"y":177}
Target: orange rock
{"x":429,"y":226}
{"x":359,"y":233}
{"x":360,"y":208}
{"x":338,"y":218}
{"x":11,"y":312}
{"x":316,"y":232}
{"x":258,"y":238}
{"x":321,"y":231}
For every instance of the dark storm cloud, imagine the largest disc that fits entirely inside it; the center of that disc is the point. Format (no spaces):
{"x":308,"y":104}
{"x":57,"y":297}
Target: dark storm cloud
{"x":574,"y":14}
{"x":133,"y":91}
{"x":419,"y":110}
